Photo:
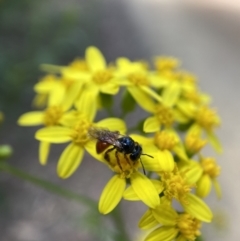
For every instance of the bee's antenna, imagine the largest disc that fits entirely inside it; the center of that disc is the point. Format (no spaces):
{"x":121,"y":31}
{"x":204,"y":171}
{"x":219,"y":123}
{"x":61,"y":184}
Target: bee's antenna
{"x":147,"y":155}
{"x":143,"y":167}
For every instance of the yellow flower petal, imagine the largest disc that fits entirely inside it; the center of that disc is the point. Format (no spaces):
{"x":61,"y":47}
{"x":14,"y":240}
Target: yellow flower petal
{"x":110,"y":88}
{"x":130,"y":195}
{"x":147,"y":221}
{"x":171,"y":94}
{"x":143,"y":140}
{"x":87,"y":103}
{"x":162,"y":234}
{"x":112,"y":194}
{"x":166,"y":160}
{"x":214,"y":141}
{"x":165,"y":215}
{"x":95,"y":59}
{"x":151,"y":124}
{"x":198,"y":208}
{"x":44,"y":148}
{"x":32,"y":118}
{"x":204,"y":186}
{"x":69,"y":161}
{"x":217,"y":188}
{"x":54,"y":134}
{"x":113,"y":124}
{"x":145,"y":190}
{"x":72,"y":94}
{"x":56,"y":95}
{"x":151,"y":93}
{"x":142,"y":98}
{"x":192,"y":172}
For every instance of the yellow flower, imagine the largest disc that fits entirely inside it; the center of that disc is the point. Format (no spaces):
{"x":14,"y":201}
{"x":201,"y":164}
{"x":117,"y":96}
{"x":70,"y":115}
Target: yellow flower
{"x":141,"y":187}
{"x":174,"y":226}
{"x":208,"y":120}
{"x":210,"y":172}
{"x":76,"y":130}
{"x":138,"y":82}
{"x":57,"y":90}
{"x":52,"y":116}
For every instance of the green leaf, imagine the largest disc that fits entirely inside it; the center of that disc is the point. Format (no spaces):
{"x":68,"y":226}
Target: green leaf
{"x":128,"y":104}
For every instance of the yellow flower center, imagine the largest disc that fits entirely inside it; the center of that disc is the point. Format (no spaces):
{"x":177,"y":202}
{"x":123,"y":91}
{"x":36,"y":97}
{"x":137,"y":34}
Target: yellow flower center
{"x":52,"y":115}
{"x":164,"y":115}
{"x":80,"y":133}
{"x":166,"y":63}
{"x":175,"y":185}
{"x":122,"y":164}
{"x":188,"y":226}
{"x":79,"y":64}
{"x":102,"y":76}
{"x":207,"y":118}
{"x":193,"y":96}
{"x":194,"y":143}
{"x":138,"y":78}
{"x":165,"y":140}
{"x":210,"y":167}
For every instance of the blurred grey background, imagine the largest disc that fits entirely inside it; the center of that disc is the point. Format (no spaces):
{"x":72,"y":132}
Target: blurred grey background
{"x":204,"y":35}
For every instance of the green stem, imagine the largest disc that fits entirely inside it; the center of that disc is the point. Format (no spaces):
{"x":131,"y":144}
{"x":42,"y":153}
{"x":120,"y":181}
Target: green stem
{"x":119,"y":223}
{"x":47,"y":185}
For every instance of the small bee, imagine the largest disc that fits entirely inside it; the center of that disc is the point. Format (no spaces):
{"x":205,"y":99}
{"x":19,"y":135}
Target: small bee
{"x":121,"y":143}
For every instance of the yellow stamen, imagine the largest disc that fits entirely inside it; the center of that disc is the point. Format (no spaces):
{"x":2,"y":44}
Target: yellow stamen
{"x":207,"y":118}
{"x":194,"y":143}
{"x":164,"y":115}
{"x":175,"y":185}
{"x":166,"y":63}
{"x":102,"y":76}
{"x":79,"y":64}
{"x":210,"y":167}
{"x":188,"y":226}
{"x":138,"y":78}
{"x":80,"y":134}
{"x":165,"y":140}
{"x":52,"y":115}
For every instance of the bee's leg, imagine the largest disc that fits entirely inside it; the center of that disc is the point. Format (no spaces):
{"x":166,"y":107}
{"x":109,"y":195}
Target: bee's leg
{"x":118,"y":161}
{"x":106,"y":155}
{"x":127,"y":159}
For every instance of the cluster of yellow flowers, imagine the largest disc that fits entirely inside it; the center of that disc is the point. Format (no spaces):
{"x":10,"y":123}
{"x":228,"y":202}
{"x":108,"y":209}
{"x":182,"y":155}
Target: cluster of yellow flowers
{"x":181,"y":123}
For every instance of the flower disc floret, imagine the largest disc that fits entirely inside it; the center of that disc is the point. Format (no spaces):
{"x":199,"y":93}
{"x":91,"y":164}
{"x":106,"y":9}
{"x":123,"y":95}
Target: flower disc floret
{"x":176,"y":186}
{"x":210,"y":167}
{"x":188,"y":226}
{"x":138,"y":78}
{"x":164,"y":115}
{"x":102,"y":76}
{"x":165,"y":140}
{"x":207,"y":118}
{"x":80,"y":132}
{"x":52,"y":115}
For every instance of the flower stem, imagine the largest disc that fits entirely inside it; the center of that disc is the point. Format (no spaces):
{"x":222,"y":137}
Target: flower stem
{"x":47,"y":185}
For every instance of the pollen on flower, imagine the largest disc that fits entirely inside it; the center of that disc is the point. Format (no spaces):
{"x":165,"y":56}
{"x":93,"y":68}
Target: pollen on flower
{"x":165,"y":140}
{"x":164,"y":115}
{"x":102,"y":76}
{"x":80,"y":133}
{"x":194,"y":143}
{"x":175,"y":185}
{"x":79,"y":64}
{"x":166,"y":63}
{"x":188,"y":226}
{"x":207,"y":118}
{"x":52,"y":115}
{"x":210,"y":167}
{"x":138,"y":79}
